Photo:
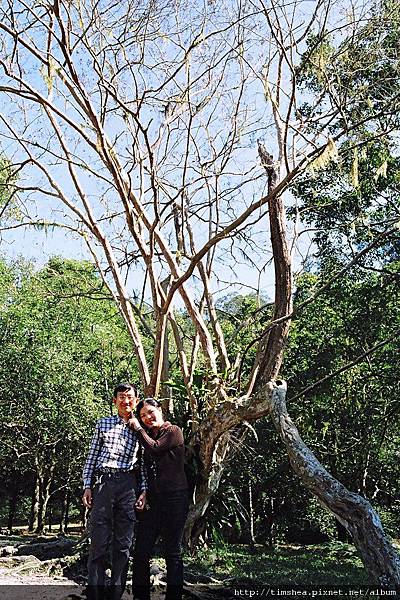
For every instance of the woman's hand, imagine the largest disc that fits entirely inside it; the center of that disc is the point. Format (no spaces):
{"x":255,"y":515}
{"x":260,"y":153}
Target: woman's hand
{"x":141,"y":502}
{"x":134,"y":423}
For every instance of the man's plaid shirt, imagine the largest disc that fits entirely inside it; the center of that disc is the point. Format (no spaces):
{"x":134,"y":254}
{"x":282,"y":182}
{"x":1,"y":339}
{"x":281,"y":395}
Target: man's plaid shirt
{"x":114,"y":446}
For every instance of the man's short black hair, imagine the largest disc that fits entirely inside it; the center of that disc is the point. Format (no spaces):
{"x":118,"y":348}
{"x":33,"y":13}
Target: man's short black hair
{"x":125,"y":387}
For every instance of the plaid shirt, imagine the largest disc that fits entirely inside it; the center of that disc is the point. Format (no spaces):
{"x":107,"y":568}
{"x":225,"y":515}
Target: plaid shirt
{"x":114,"y":446}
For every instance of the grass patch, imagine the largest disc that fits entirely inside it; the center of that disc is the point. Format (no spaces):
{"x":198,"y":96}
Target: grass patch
{"x":331,"y":564}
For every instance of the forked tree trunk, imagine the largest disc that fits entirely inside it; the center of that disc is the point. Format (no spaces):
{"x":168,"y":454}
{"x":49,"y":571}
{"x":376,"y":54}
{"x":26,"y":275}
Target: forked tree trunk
{"x":44,"y":479}
{"x":206,"y":484}
{"x":268,"y":397}
{"x":353,"y":511}
{"x":213,"y":440}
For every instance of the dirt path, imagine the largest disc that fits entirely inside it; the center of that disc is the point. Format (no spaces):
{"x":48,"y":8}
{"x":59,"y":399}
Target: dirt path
{"x":22,"y":586}
{"x":24,"y":577}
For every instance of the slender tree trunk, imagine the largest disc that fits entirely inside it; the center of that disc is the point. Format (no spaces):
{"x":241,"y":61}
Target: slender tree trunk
{"x":49,"y":514}
{"x":40,"y":514}
{"x":166,"y":390}
{"x":271,"y":522}
{"x":45,"y":497}
{"x":61,"y":522}
{"x":64,"y":516}
{"x":33,"y":521}
{"x":67,"y":507}
{"x":12,"y":505}
{"x":251,"y":512}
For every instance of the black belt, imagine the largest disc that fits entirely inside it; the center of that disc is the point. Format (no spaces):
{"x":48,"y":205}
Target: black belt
{"x":112,"y":470}
{"x":110,"y":473}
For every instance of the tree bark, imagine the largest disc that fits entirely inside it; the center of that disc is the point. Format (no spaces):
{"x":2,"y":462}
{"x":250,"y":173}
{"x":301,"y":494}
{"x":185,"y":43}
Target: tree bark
{"x":44,"y":481}
{"x":353,"y":511}
{"x":33,"y":521}
{"x":40,"y":513}
{"x":206,"y":484}
{"x":251,"y":513}
{"x":64,"y":517}
{"x":49,"y":517}
{"x":67,"y":507}
{"x":266,"y":396}
{"x":61,"y":524}
{"x":12,"y":505}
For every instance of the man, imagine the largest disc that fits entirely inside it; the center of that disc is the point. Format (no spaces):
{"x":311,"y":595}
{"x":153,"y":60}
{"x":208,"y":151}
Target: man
{"x":112,"y":475}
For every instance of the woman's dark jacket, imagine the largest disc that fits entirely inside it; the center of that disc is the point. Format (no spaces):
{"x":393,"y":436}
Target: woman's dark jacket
{"x":164,"y":455}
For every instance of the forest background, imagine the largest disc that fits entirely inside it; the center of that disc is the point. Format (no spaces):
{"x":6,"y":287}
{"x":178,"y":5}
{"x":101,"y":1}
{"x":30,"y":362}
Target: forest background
{"x":142,"y":137}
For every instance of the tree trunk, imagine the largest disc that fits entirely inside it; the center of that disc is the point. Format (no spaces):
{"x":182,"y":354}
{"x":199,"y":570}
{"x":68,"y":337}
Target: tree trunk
{"x":33,"y":521}
{"x":49,"y":515}
{"x":12,"y":505}
{"x":265,"y":396}
{"x":64,"y":517}
{"x":251,"y":513}
{"x":43,"y":505}
{"x":353,"y":511}
{"x":271,"y":522}
{"x":166,"y":390}
{"x":44,"y":480}
{"x":206,"y":485}
{"x":61,"y":523}
{"x":40,"y":513}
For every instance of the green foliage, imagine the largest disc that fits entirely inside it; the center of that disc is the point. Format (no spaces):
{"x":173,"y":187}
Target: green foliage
{"x":8,"y":178}
{"x":352,"y":418}
{"x":351,"y":201}
{"x":63,"y":348}
{"x":358,"y":73}
{"x":328,"y":564}
{"x":351,"y":421}
{"x":346,"y":215}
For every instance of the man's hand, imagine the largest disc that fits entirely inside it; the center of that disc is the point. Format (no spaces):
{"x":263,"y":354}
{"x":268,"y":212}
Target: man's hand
{"x":87,"y":498}
{"x":134,"y":423}
{"x":141,"y":502}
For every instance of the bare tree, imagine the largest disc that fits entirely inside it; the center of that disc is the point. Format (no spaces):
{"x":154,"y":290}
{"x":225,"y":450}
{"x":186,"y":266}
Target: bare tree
{"x":135,"y":128}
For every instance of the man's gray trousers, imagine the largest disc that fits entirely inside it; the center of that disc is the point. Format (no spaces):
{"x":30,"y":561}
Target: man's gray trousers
{"x":112,"y":524}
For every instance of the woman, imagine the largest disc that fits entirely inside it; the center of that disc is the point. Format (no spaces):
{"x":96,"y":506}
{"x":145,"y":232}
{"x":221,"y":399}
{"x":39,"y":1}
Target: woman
{"x":167,"y":497}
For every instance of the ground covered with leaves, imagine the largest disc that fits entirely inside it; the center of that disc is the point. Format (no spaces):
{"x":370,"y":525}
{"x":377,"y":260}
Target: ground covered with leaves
{"x":216,"y":571}
{"x":332,"y":563}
